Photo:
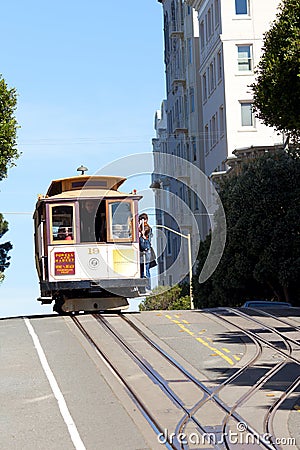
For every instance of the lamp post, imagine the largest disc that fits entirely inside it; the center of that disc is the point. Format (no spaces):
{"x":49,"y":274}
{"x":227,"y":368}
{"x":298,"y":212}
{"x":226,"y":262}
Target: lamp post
{"x":188,"y":237}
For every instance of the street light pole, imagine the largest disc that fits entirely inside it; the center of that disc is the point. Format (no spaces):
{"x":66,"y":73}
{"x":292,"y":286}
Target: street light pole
{"x":190,"y":270}
{"x":188,"y":237}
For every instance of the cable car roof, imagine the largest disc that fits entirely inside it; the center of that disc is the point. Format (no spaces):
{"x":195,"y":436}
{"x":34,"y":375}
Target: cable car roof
{"x":90,"y":194}
{"x":84,"y":182}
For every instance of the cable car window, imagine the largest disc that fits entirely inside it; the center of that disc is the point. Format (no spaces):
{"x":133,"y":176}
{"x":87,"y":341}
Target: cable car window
{"x":62,"y":223}
{"x":92,"y":221}
{"x":120,"y":221}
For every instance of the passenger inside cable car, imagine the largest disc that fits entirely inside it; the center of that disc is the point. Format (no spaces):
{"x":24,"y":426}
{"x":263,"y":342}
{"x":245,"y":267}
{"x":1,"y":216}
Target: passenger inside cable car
{"x":65,"y":233}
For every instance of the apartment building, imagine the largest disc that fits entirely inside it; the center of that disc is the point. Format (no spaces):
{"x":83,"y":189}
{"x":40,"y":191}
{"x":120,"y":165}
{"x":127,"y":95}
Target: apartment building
{"x":177,"y":136}
{"x":211,"y":48}
{"x":231,"y":37}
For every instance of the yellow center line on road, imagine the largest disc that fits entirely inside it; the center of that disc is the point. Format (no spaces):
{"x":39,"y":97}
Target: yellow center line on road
{"x":202,"y":341}
{"x":225,"y":350}
{"x":218,"y":352}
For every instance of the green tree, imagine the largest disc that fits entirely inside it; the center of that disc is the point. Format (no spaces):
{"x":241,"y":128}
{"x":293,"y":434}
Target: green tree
{"x":166,"y":298}
{"x":4,"y":248}
{"x":262,"y":252}
{"x":8,"y":155}
{"x":276,"y":92}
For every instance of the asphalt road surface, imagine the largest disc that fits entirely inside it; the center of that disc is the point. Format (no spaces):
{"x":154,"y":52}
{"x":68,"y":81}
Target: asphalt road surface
{"x":219,"y":378}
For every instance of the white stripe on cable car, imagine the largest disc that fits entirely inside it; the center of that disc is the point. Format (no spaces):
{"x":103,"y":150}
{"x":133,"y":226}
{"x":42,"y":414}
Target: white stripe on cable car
{"x":76,"y":439}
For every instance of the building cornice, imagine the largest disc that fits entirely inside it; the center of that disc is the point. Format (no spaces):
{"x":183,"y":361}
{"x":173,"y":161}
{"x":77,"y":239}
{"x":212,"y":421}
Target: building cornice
{"x":194,"y":3}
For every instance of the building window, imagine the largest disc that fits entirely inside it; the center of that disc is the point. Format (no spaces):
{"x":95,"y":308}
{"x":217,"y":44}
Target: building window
{"x":194,"y":148}
{"x":202,"y":35}
{"x":192,"y":100}
{"x":167,"y":197}
{"x":190,"y":51}
{"x":221,"y":120}
{"x":204,"y":87}
{"x":169,"y":243}
{"x":241,"y":7}
{"x":209,"y":23}
{"x":212,"y":79}
{"x":247,"y":114}
{"x":214,"y":130}
{"x":170,"y":121}
{"x":244,"y":58}
{"x":181,"y":192}
{"x":217,"y":13}
{"x":173,"y":17}
{"x":189,"y":198}
{"x":219,"y":66}
{"x":206,"y":139}
{"x":196,"y":200}
{"x":187,"y":151}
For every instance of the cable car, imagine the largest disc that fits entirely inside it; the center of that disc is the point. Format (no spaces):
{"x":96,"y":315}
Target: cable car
{"x":87,"y":245}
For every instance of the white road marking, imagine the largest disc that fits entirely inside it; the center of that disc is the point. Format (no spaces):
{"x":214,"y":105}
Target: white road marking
{"x":76,"y":439}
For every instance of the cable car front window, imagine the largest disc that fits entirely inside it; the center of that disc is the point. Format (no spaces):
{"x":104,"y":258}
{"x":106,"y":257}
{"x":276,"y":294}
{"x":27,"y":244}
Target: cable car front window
{"x":62,"y":223}
{"x":120,"y":215}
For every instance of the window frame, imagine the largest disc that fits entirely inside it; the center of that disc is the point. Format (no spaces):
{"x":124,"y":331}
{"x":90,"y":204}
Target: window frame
{"x":204,"y":87}
{"x":242,"y":61}
{"x":245,"y":14}
{"x":190,"y":51}
{"x":202,"y":35}
{"x":169,"y":243}
{"x":219,"y":66}
{"x":192,"y":99}
{"x":110,"y":238}
{"x":206,"y":139}
{"x":61,"y":241}
{"x":243,"y":104}
{"x":221,"y":121}
{"x":212,"y":77}
{"x":217,"y":13}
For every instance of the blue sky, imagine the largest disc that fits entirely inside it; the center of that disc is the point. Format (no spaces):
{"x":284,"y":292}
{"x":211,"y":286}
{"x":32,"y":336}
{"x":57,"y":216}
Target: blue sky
{"x":89,"y":78}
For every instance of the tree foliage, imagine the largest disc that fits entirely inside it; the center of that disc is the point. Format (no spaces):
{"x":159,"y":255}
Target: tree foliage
{"x":4,"y":248}
{"x":8,"y":128}
{"x":276,"y":92}
{"x":166,"y":298}
{"x":262,"y":252}
{"x":8,"y":155}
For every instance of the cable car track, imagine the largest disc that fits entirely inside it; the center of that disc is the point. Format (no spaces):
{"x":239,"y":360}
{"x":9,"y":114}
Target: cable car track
{"x":263,"y":380}
{"x":269,"y":416}
{"x":256,"y":336}
{"x":209,"y":395}
{"x":272,"y":329}
{"x":279,"y":319}
{"x":146,"y":413}
{"x":212,"y":394}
